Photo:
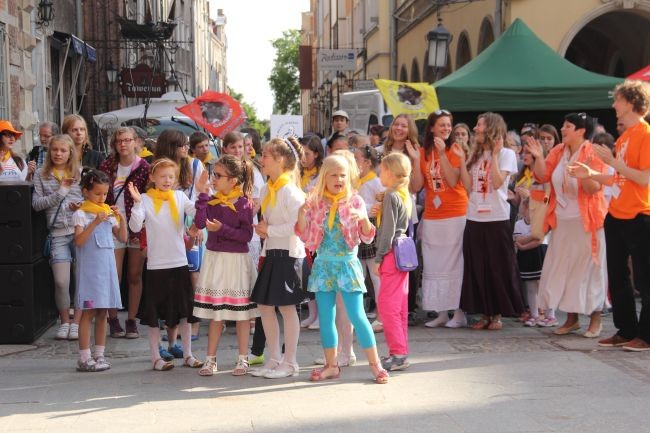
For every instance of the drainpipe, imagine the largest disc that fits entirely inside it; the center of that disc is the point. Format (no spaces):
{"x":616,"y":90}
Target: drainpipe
{"x":393,"y":42}
{"x":498,"y":18}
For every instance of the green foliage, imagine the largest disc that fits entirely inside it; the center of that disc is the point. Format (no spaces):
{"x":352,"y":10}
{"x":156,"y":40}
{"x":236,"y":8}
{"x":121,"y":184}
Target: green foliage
{"x":252,"y":120}
{"x":284,"y":75}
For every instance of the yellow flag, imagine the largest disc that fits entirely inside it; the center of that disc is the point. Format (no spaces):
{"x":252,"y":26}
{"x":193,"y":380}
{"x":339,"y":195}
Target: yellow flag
{"x":415,"y":99}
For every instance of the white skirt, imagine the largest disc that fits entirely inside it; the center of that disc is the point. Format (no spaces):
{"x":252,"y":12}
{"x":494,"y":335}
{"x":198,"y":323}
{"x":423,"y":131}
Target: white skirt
{"x":224,"y":287}
{"x":442,"y":262}
{"x":571,"y":281}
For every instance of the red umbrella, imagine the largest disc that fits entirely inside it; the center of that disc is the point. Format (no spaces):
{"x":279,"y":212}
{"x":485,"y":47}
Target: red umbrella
{"x":643,"y":74}
{"x":217,"y":112}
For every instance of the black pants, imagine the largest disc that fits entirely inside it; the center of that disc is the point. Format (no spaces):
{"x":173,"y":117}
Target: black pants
{"x":627,"y":238}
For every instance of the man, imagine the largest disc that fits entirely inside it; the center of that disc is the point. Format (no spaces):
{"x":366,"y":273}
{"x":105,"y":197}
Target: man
{"x":36,"y":157}
{"x":627,"y":225}
{"x":340,"y":120}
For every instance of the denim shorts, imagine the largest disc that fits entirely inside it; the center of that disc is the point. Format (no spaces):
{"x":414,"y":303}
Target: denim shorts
{"x":62,"y":249}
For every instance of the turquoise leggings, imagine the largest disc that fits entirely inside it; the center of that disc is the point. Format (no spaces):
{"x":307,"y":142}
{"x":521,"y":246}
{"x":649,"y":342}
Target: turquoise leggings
{"x":353,"y":301}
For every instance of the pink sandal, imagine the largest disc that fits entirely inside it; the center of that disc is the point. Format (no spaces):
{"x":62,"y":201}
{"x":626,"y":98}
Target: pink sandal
{"x":317,"y":373}
{"x":382,"y":375}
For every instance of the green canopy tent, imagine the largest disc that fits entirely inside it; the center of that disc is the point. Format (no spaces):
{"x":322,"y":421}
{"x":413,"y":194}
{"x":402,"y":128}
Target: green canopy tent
{"x":520,"y":72}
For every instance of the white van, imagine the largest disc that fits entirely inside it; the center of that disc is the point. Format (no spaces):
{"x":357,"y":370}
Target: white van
{"x":365,"y":108}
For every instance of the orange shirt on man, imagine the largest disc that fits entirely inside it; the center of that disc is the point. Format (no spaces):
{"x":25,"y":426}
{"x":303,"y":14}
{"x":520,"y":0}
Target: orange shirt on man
{"x":441,"y":200}
{"x":629,"y":198}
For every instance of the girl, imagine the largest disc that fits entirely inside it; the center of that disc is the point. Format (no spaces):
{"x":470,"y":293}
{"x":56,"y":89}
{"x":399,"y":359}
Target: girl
{"x":278,"y":283}
{"x":369,"y":186}
{"x":462,"y":135}
{"x":168,"y":294}
{"x":97,"y":285}
{"x":548,"y":137}
{"x":310,"y":165}
{"x":122,"y":167}
{"x":437,"y":168}
{"x":227,"y":275}
{"x":75,"y":126}
{"x":200,"y":148}
{"x":401,"y":131}
{"x":530,"y":257}
{"x":12,"y":166}
{"x":393,"y":216}
{"x":490,"y":280}
{"x":57,"y":191}
{"x":333,"y":222}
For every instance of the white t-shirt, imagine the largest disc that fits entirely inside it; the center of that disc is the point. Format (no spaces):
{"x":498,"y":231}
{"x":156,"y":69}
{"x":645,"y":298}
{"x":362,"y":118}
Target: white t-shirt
{"x":369,"y":190}
{"x":486,"y":204}
{"x":82,"y":219}
{"x":522,"y":229}
{"x":282,"y":219}
{"x":566,"y":188}
{"x":11,"y":172}
{"x":122,"y":174}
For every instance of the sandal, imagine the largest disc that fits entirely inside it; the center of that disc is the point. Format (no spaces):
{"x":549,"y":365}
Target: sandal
{"x":317,"y":373}
{"x":162,"y":365}
{"x":382,"y":375}
{"x":209,"y":367}
{"x":495,"y":325}
{"x":481,"y":324}
{"x":242,"y":366}
{"x":192,"y":362}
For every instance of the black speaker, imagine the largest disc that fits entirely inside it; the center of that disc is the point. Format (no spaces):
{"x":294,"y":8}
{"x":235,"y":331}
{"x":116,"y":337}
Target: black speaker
{"x":22,"y":230}
{"x":26,"y":301}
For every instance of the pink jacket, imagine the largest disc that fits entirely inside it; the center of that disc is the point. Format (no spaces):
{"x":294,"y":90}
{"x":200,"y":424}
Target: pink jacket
{"x":316,"y":220}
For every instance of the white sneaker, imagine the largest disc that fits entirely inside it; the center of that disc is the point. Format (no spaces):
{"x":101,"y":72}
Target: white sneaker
{"x":315,"y":325}
{"x":439,"y":321}
{"x":454,"y":323}
{"x":74,"y":332}
{"x":308,"y":321}
{"x":372,"y":315}
{"x":283,"y":370}
{"x":62,"y":332}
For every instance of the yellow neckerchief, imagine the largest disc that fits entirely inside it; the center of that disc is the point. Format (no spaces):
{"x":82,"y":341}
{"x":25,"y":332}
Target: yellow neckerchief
{"x":273,"y":188}
{"x":405,"y":196}
{"x":526,"y":179}
{"x":60,"y":174}
{"x":334,"y":206}
{"x":253,"y":154}
{"x":207,"y":159}
{"x":6,"y":156}
{"x":227,"y":199}
{"x":307,"y":174}
{"x":144,"y":153}
{"x":94,"y":208}
{"x":158,"y":197}
{"x":367,"y":178}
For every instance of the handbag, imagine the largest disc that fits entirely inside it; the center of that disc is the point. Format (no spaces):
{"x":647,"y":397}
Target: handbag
{"x":406,"y":256}
{"x":47,"y":246}
{"x":194,"y":251}
{"x":537,"y":211}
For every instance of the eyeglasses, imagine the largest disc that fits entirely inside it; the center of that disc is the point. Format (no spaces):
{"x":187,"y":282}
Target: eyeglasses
{"x":183,"y":145}
{"x":219,"y":175}
{"x":441,"y":112}
{"x":124,"y":140}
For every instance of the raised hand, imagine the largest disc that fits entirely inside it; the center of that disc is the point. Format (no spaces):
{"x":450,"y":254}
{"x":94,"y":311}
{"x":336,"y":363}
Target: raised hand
{"x":135,"y":194}
{"x":439,"y":145}
{"x":533,"y":147}
{"x":412,"y":150}
{"x":213,"y":225}
{"x":458,"y":151}
{"x":604,"y":153}
{"x":580,"y":170}
{"x":498,"y":145}
{"x":202,"y":185}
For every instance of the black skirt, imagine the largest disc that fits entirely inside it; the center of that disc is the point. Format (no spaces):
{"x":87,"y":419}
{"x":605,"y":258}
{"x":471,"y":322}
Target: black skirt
{"x":490,"y":279}
{"x":368,"y":251}
{"x":531,"y":262}
{"x":168,"y":296}
{"x":278,"y":282}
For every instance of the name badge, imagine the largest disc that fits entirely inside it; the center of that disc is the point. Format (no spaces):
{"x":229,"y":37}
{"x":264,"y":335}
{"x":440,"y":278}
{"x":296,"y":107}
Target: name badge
{"x":484,"y":208}
{"x":437,"y":202}
{"x":616,"y":190}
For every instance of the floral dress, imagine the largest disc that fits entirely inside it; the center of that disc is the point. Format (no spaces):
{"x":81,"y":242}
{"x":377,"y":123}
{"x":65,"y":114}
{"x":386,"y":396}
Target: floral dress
{"x":336,"y":267}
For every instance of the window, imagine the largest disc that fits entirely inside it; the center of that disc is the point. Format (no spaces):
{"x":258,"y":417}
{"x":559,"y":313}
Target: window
{"x":4,"y":89}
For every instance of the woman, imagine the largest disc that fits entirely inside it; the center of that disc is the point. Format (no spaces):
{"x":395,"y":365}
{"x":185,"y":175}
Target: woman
{"x":490,"y":278}
{"x":548,"y":137}
{"x":443,"y":222}
{"x":124,"y":166}
{"x":462,"y":135}
{"x":75,"y":126}
{"x":12,"y":166}
{"x":574,"y":276}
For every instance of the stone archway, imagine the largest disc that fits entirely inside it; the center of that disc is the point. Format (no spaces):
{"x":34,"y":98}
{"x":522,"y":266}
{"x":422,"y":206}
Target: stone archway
{"x":403,"y":75}
{"x":485,"y":35}
{"x":463,"y":52}
{"x":415,"y":71}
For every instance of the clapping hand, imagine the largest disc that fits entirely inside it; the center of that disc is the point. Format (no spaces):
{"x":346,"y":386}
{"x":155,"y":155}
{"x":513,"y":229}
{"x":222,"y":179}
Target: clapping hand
{"x":533,"y":147}
{"x":439,"y":145}
{"x":604,"y":153}
{"x":458,"y":151}
{"x":213,"y":225}
{"x":580,"y":170}
{"x":412,"y":150}
{"x":135,"y":194}
{"x":202,"y":185}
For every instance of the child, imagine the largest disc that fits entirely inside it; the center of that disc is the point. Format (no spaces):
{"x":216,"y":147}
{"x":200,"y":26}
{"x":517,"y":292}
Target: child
{"x":530,"y":257}
{"x":369,"y":186}
{"x":57,"y":191}
{"x":393,"y":216}
{"x":95,"y":224}
{"x":227,"y":273}
{"x":168,"y":293}
{"x":332,"y":223}
{"x":278,"y":283}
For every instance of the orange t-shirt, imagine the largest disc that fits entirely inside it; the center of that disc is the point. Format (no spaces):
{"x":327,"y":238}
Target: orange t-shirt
{"x":441,"y":200}
{"x":633,"y":148}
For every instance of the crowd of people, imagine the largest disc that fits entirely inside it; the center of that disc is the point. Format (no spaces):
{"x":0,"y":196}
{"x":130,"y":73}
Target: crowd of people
{"x":508,"y":224}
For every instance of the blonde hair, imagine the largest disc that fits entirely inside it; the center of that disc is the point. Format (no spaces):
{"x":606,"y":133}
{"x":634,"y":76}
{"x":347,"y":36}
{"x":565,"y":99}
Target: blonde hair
{"x":412,"y":134}
{"x":289,"y":149}
{"x":72,"y":166}
{"x":70,"y":120}
{"x":160,"y":164}
{"x":495,"y":129}
{"x":353,"y":169}
{"x":331,"y":163}
{"x":400,"y":166}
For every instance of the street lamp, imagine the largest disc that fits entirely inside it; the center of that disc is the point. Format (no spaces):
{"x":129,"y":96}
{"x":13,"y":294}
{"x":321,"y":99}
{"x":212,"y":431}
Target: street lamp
{"x":111,"y":72}
{"x":45,"y":13}
{"x":439,"y":40}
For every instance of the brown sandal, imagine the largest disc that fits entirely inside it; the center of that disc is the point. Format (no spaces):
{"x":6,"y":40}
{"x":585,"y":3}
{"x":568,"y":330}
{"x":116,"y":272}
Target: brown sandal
{"x":481,"y":324}
{"x":317,"y":373}
{"x":382,"y":375}
{"x":495,"y":325}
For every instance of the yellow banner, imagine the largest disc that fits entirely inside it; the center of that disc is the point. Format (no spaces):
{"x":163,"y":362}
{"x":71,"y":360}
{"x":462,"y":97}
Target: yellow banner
{"x":415,"y":99}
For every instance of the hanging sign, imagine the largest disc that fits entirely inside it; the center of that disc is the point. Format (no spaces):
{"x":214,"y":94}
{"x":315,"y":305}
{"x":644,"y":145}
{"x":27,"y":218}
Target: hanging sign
{"x":141,"y":82}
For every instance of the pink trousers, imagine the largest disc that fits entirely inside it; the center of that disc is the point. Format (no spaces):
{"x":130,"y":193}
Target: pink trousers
{"x":393,"y":305}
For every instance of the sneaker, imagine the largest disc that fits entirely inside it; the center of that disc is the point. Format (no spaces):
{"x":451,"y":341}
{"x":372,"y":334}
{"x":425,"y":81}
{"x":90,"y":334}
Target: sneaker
{"x":62,"y":331}
{"x":377,"y":326}
{"x":412,"y":319}
{"x":439,"y":321}
{"x":637,"y":345}
{"x":394,"y":363}
{"x":176,"y":351}
{"x":614,"y":341}
{"x":100,"y":360}
{"x":454,"y":323}
{"x":131,"y":329}
{"x":90,"y":365}
{"x":164,"y":354}
{"x":74,"y":331}
{"x":115,"y":330}
{"x":255,"y":359}
{"x":315,"y":325}
{"x":547,"y":322}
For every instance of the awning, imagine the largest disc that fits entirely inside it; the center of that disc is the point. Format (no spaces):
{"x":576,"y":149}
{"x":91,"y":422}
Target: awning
{"x":78,"y":45}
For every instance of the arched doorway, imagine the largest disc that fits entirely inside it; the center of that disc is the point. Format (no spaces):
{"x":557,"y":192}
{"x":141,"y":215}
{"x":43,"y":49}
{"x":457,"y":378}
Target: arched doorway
{"x":485,"y":35}
{"x":615,"y":43}
{"x":415,"y":71}
{"x":463,"y":52}
{"x":403,"y":75}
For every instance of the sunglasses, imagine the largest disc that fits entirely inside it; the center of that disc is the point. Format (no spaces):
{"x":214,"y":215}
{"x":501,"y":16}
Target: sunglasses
{"x":441,"y":112}
{"x":8,"y":134}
